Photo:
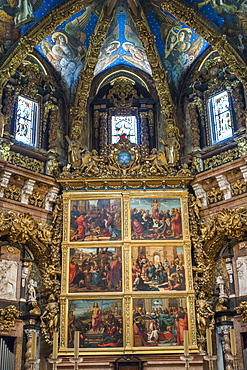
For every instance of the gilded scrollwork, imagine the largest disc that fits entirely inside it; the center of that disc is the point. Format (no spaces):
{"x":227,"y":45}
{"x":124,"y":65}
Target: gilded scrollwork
{"x":123,"y":93}
{"x":87,"y":74}
{"x":239,"y":187}
{"x":36,"y":199}
{"x":139,"y":162}
{"x":8,"y":315}
{"x":242,"y":310}
{"x":221,"y":158}
{"x":44,"y":241}
{"x":214,"y":195}
{"x":12,"y":192}
{"x":208,"y":236}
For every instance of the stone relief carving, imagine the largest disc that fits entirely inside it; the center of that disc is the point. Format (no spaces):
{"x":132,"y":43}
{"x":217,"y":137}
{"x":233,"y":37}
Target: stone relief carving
{"x":241,"y":265}
{"x":8,"y":279}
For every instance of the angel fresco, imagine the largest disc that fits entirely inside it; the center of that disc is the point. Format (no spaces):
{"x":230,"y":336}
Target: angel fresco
{"x":134,"y":47}
{"x":67,"y":51}
{"x":180,"y":45}
{"x":21,"y":10}
{"x":180,"y":52}
{"x":234,"y":15}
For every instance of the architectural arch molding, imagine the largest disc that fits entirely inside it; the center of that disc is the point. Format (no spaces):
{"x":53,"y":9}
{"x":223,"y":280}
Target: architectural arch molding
{"x":36,"y":34}
{"x":210,"y":32}
{"x":209,"y":236}
{"x":23,"y":229}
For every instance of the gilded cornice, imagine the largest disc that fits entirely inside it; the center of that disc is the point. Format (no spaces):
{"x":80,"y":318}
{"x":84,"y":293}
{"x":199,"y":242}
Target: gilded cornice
{"x":87,"y":74}
{"x":44,"y":27}
{"x":203,"y":27}
{"x":158,"y":72}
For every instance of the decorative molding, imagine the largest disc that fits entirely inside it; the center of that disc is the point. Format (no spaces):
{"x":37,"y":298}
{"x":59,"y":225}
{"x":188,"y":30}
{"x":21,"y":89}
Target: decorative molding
{"x":27,"y":190}
{"x":224,"y":186}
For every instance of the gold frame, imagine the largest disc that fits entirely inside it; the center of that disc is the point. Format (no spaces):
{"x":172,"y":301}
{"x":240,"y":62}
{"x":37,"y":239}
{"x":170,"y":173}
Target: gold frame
{"x":127,"y":294}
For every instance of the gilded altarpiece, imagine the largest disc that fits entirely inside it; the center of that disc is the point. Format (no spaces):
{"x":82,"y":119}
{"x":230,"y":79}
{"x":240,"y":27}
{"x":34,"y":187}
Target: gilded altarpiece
{"x":127,"y":273}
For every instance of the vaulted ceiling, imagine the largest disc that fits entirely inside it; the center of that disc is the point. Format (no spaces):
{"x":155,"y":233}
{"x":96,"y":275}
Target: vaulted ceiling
{"x":178,"y":43}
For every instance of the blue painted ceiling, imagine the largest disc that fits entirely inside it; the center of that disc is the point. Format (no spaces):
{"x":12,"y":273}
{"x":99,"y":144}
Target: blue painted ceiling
{"x":178,"y":46}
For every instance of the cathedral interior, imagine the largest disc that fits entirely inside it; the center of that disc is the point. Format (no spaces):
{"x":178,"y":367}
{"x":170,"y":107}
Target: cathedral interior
{"x":123,"y":181}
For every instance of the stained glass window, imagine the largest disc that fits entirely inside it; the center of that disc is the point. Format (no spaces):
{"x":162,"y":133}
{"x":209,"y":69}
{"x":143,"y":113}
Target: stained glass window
{"x":124,"y":126}
{"x":220,"y":117}
{"x":26,"y":121}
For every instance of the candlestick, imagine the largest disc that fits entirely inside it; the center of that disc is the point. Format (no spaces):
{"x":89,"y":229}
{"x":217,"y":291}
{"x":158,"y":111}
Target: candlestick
{"x":187,"y":360}
{"x":76,"y":343}
{"x":186,"y":343}
{"x":55,"y":345}
{"x":233,"y":342}
{"x":210,"y":360}
{"x":34,"y":345}
{"x":76,"y":361}
{"x":54,"y":362}
{"x":209,"y":341}
{"x":234,"y":359}
{"x":33,"y":362}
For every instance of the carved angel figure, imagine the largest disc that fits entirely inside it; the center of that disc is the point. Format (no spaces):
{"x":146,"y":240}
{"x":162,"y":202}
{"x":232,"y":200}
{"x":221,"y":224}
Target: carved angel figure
{"x":204,"y":315}
{"x":195,"y":205}
{"x":31,"y":292}
{"x":49,"y":319}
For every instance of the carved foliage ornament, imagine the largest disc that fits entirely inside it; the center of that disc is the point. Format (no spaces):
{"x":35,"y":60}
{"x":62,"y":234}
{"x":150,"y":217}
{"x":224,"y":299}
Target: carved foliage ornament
{"x":124,"y":159}
{"x":242,"y":310}
{"x":8,"y":316}
{"x":208,"y":237}
{"x":122,"y":94}
{"x":44,"y":241}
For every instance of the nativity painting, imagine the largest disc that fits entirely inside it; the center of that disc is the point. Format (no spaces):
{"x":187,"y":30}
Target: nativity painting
{"x":159,"y":322}
{"x":156,"y":219}
{"x":158,"y":268}
{"x":95,"y":270}
{"x":99,"y":322}
{"x":95,"y":220}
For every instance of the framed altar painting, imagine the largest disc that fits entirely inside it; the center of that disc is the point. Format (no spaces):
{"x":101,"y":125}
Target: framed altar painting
{"x":156,"y":219}
{"x":95,"y":270}
{"x":99,"y":322}
{"x":159,"y":322}
{"x":95,"y":220}
{"x":158,"y":268}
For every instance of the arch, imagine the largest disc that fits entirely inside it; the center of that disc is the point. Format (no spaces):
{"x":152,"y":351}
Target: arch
{"x":36,"y":34}
{"x":214,"y":36}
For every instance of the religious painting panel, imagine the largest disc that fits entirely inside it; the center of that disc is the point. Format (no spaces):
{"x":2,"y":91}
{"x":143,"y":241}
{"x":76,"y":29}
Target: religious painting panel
{"x":95,"y":220}
{"x":159,"y":268}
{"x":99,"y":322}
{"x":95,"y":270}
{"x":159,"y":322}
{"x":155,"y":219}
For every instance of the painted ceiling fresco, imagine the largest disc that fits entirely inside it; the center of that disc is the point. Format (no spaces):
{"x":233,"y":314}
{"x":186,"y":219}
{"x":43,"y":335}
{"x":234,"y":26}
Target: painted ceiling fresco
{"x":67,"y":46}
{"x":17,"y":16}
{"x":178,"y":45}
{"x":122,"y":44}
{"x":229,"y":15}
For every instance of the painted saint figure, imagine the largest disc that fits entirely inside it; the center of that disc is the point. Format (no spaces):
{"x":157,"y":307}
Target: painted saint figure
{"x":96,"y":317}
